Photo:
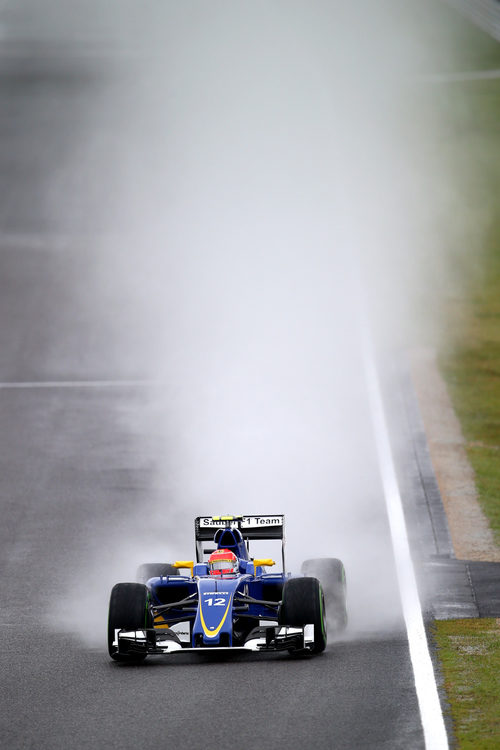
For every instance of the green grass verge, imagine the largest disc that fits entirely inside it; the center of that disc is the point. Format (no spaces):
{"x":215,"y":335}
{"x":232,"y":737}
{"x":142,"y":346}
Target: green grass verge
{"x":469,"y":650}
{"x":472,"y":371}
{"x":470,"y":657}
{"x":471,"y":367}
{"x":471,"y":364}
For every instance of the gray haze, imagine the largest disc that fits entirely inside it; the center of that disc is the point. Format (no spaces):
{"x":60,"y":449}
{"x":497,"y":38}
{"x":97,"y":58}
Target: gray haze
{"x":244,"y":166}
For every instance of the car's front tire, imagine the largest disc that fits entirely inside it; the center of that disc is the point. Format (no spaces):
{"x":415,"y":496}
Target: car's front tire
{"x":303,"y":604}
{"x":128,"y":610}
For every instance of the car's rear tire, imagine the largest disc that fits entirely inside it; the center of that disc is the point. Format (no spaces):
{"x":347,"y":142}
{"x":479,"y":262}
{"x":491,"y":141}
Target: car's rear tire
{"x":128,"y":610}
{"x":331,"y":574}
{"x":153,"y":570}
{"x":303,"y":604}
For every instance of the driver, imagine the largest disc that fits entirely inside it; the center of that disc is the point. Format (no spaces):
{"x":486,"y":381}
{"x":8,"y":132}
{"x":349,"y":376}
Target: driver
{"x":223,"y":562}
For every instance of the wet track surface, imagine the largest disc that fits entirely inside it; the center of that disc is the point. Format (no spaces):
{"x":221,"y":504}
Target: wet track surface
{"x":340,"y":700}
{"x":68,"y":475}
{"x":76,"y":467}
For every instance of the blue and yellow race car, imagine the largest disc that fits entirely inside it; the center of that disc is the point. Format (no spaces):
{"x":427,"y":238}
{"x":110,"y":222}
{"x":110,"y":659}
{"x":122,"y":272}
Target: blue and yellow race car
{"x":227,"y":600}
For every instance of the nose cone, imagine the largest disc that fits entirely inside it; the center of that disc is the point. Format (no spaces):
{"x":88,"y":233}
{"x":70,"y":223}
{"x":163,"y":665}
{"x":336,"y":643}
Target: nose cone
{"x":214,"y":617}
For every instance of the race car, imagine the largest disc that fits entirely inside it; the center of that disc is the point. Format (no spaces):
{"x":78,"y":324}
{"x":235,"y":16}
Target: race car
{"x":227,"y":600}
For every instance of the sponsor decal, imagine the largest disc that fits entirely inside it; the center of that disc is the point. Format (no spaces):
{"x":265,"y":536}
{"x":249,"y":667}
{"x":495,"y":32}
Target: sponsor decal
{"x":247,"y":522}
{"x":250,"y":521}
{"x":212,"y":522}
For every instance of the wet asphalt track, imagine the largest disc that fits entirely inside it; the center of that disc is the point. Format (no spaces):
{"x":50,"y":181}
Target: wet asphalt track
{"x":71,"y":468}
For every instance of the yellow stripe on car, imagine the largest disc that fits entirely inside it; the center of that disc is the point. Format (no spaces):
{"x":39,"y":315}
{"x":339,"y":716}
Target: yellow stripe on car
{"x":213,"y":633}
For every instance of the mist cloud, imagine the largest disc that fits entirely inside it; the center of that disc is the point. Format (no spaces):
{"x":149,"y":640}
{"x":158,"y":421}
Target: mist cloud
{"x":257,"y":156}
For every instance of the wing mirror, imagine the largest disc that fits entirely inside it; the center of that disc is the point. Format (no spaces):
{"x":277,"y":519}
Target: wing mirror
{"x":185,"y":564}
{"x":266,"y":561}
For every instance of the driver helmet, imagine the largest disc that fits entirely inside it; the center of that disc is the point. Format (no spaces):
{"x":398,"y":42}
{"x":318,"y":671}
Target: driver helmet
{"x":222,"y":562}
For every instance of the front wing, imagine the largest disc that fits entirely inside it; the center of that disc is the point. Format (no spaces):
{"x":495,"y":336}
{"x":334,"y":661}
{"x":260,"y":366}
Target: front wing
{"x":269,"y":639}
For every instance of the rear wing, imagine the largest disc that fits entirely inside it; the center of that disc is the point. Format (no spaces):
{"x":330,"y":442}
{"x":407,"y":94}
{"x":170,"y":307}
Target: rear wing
{"x":251,"y":527}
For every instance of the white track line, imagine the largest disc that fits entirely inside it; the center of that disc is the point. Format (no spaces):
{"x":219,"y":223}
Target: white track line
{"x":425,"y":682}
{"x":20,"y":385}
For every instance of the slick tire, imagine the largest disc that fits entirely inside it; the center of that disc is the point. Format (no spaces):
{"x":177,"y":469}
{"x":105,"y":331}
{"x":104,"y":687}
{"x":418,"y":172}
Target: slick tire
{"x":128,"y":610}
{"x":331,"y":574}
{"x":152,"y":570}
{"x":303,"y":603}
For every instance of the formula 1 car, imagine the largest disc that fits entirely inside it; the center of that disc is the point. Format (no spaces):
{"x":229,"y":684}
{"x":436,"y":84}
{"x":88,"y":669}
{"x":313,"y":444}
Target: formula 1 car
{"x":228,"y":601}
